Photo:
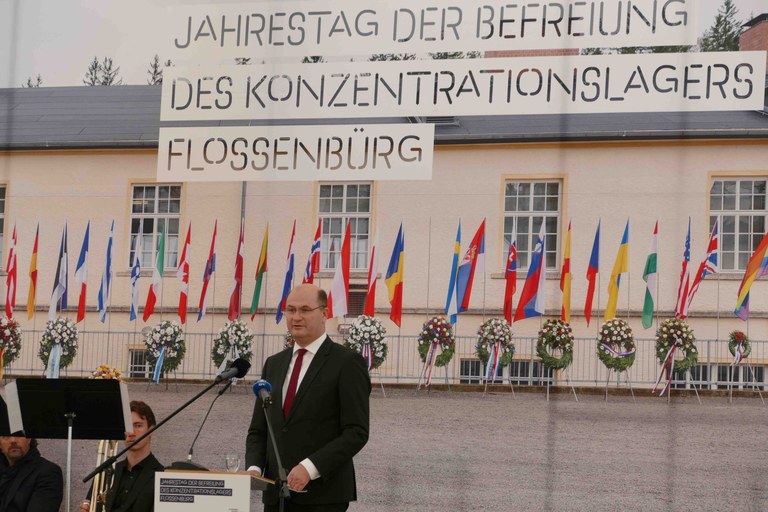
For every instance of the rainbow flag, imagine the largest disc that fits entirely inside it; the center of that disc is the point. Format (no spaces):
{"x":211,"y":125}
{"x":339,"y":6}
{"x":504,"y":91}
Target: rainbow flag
{"x":757,"y":266}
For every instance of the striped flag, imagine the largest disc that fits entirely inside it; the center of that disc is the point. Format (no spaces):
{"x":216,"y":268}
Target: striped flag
{"x":106,"y":278}
{"x":81,"y":274}
{"x":136,"y":273}
{"x":288,"y":282}
{"x":565,"y":279}
{"x":157,"y":278}
{"x":452,"y":302}
{"x":685,"y":275}
{"x":237,"y":281}
{"x":10,"y":278}
{"x":313,"y":263}
{"x":510,"y":276}
{"x":261,"y":269}
{"x":707,"y":267}
{"x":338,"y":298}
{"x":756,"y":267}
{"x":60,"y":280}
{"x":592,"y":270}
{"x":210,"y":268}
{"x":394,"y":278}
{"x":532,"y":298}
{"x":620,"y":266}
{"x":650,"y":276}
{"x":33,"y":278}
{"x":473,"y":259}
{"x":182,"y":272}
{"x":373,"y":267}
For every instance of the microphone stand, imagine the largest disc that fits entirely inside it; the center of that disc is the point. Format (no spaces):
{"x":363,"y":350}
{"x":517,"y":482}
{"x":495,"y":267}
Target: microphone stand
{"x":111,"y":460}
{"x":282,"y":477}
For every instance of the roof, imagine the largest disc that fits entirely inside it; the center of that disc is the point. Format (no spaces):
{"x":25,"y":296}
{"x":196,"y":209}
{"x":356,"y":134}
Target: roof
{"x":128,"y":116}
{"x":756,"y":20}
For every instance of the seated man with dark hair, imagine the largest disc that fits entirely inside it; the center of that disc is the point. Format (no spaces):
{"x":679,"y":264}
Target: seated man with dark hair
{"x":133,"y":487}
{"x":28,"y":482}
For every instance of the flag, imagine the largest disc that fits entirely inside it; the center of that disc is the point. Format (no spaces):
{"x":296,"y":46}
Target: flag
{"x":708,"y":266}
{"x":10,"y":278}
{"x":620,"y":266}
{"x":106,"y":277}
{"x":33,"y":278}
{"x":473,"y":258}
{"x":81,"y":274}
{"x":452,"y":302}
{"x":592,"y":270}
{"x":237,"y":281}
{"x":136,"y":273}
{"x":510,"y":276}
{"x":313,"y":263}
{"x":60,"y":280}
{"x":210,"y":268}
{"x":261,"y":268}
{"x":157,"y":278}
{"x":682,"y":288}
{"x":338,"y":298}
{"x":650,"y":275}
{"x":373,"y":267}
{"x":565,"y":279}
{"x":533,"y":295}
{"x":394,"y":278}
{"x":756,"y":267}
{"x":288,"y":282}
{"x":182,"y":272}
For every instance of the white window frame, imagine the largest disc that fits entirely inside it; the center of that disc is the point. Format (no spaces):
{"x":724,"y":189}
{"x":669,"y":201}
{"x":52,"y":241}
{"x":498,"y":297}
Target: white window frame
{"x":153,"y":215}
{"x":527,"y":221}
{"x":360,"y":229}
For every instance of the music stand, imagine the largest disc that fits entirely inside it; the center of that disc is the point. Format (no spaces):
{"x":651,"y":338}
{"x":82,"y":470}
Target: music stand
{"x":69,"y":409}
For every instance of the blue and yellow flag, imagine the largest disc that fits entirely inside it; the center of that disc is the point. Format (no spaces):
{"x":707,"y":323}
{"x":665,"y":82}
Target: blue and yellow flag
{"x":620,"y":266}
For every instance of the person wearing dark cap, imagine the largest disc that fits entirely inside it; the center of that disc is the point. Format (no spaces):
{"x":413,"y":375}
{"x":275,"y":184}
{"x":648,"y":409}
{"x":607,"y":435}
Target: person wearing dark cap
{"x":28,"y":482}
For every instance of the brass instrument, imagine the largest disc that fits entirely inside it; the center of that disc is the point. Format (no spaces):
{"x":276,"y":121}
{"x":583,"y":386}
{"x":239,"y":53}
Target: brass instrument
{"x":103,"y":481}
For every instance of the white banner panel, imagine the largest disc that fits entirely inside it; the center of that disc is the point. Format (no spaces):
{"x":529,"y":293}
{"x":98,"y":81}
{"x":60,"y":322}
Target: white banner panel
{"x":663,"y":82}
{"x":297,"y":153}
{"x":201,"y":491}
{"x":271,"y":30}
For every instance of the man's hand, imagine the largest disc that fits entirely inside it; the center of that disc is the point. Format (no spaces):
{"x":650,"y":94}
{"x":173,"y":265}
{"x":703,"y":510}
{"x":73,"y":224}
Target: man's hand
{"x":85,"y":506}
{"x":298,"y":478}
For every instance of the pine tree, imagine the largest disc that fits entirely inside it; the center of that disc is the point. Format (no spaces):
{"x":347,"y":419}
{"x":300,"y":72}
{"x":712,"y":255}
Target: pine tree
{"x":381,"y":57}
{"x":155,"y":72}
{"x":312,"y":60}
{"x":723,"y":35}
{"x":455,"y":55}
{"x":92,"y":75}
{"x":109,"y":74}
{"x":37,"y":83}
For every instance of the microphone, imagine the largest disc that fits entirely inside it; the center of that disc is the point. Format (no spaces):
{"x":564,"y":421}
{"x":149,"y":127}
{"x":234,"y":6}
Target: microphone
{"x":263,"y":390}
{"x":237,"y":369}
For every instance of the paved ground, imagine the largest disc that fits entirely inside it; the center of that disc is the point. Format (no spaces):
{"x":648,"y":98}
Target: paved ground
{"x":463,"y":452}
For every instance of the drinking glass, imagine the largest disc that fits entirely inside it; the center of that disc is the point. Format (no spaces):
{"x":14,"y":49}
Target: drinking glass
{"x":233,"y":462}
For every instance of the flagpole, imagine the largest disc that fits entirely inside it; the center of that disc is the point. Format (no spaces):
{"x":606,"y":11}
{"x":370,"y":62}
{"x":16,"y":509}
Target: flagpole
{"x":109,"y":322}
{"x":213,"y":305}
{"x":264,"y":318}
{"x":429,"y":259}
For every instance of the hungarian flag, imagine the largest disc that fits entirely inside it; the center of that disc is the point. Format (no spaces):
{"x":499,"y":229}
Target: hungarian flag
{"x":10,"y":278}
{"x":182,"y":272}
{"x":474,"y":258}
{"x":288,"y":282}
{"x":106,"y":278}
{"x":592,"y":270}
{"x":370,"y":297}
{"x":532,"y":298}
{"x":237,"y":281}
{"x":452,"y":302}
{"x":33,"y":278}
{"x":157,"y":278}
{"x":510,"y":276}
{"x":313,"y":263}
{"x":620,"y":266}
{"x":261,"y":269}
{"x":707,"y":267}
{"x":81,"y":274}
{"x":210,"y":268}
{"x":338,"y":298}
{"x":60,"y":279}
{"x":565,"y":279}
{"x":650,"y":276}
{"x":685,"y":275}
{"x":394,"y":278}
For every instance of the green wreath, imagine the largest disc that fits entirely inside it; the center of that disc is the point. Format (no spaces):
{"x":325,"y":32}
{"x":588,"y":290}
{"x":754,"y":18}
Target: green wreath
{"x":368,"y":330}
{"x":10,"y":340}
{"x":234,"y":333}
{"x":169,"y":335}
{"x":61,"y":331}
{"x":437,"y":329}
{"x":736,"y":338}
{"x":616,"y":335}
{"x":495,"y":330}
{"x":678,"y":332}
{"x":555,"y":335}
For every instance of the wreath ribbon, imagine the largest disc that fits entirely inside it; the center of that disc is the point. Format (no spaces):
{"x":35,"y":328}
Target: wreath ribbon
{"x":429,"y":363}
{"x":669,"y":366}
{"x":367,"y":353}
{"x":493,"y":361}
{"x":614,"y":353}
{"x":159,"y":366}
{"x":54,"y":361}
{"x":738,"y":355}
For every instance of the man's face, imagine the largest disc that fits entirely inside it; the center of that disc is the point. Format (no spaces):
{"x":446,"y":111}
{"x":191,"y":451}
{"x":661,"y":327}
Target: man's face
{"x":305,"y":318}
{"x":139,"y":427}
{"x":14,"y":448}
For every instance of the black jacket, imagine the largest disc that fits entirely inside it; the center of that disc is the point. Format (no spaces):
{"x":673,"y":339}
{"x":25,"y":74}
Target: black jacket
{"x":328,"y":423}
{"x":33,"y":484}
{"x":142,"y":495}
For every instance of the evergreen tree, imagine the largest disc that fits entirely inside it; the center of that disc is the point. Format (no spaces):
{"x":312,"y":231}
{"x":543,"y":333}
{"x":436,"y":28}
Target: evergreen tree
{"x":155,"y":72}
{"x":380,"y":57}
{"x":455,"y":55}
{"x":37,"y":83}
{"x":312,"y":60}
{"x":109,"y":73}
{"x":723,"y":35}
{"x":93,"y":73}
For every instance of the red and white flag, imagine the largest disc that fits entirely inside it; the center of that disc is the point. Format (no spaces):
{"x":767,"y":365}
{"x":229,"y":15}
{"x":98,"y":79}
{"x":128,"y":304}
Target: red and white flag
{"x":81,"y":274}
{"x":182,"y":272}
{"x":338,"y":297}
{"x":373,"y":269}
{"x":313,"y":263}
{"x":10,"y":278}
{"x":237,"y":282}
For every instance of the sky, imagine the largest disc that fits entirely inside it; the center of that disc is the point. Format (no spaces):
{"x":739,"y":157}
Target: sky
{"x":58,"y":38}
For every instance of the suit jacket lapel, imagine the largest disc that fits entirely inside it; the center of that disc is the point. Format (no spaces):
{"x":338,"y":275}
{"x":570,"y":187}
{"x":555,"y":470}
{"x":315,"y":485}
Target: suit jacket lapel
{"x":20,"y":477}
{"x":314,"y":368}
{"x":283,"y":360}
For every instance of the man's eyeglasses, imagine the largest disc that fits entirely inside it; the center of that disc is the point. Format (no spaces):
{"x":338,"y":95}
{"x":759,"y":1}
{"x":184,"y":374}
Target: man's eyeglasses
{"x":300,"y":311}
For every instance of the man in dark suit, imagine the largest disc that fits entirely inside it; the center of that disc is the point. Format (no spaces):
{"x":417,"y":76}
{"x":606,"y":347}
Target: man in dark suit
{"x":320,"y":412}
{"x":28,"y":482}
{"x":133,"y":487}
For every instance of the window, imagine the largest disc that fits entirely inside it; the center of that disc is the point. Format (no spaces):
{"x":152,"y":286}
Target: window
{"x":137,"y":364}
{"x":357,"y":294}
{"x":697,"y":376}
{"x":339,"y":204}
{"x":526,"y":205}
{"x":739,"y":205}
{"x":470,"y":371}
{"x":529,"y":373}
{"x":154,"y":208}
{"x":740,"y":377}
{"x":2,"y":215}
